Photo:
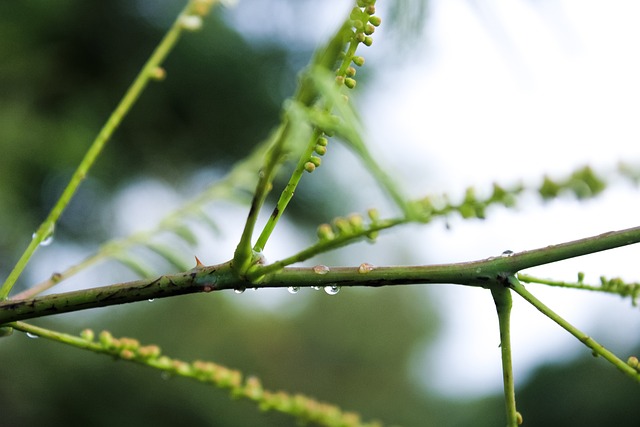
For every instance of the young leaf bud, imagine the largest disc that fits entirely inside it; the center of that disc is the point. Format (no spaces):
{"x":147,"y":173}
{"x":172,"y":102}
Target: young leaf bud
{"x":375,"y":20}
{"x":369,"y":29}
{"x":325,"y":232}
{"x":368,"y":41}
{"x":320,"y":150}
{"x":309,"y":167}
{"x":358,"y":60}
{"x":315,"y":160}
{"x":322,"y":141}
{"x":158,"y":74}
{"x":87,"y":335}
{"x":351,"y":72}
{"x":350,"y":83}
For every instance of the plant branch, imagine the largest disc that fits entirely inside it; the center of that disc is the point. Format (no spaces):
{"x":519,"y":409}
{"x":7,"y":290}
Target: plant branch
{"x":483,"y":273}
{"x":598,"y":349}
{"x":302,"y":407}
{"x":502,"y":298}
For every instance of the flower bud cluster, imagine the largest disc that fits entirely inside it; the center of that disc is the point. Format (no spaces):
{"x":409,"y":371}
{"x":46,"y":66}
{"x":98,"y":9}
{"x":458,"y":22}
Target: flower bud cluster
{"x":353,"y":225}
{"x":302,"y":407}
{"x":618,"y":286}
{"x":320,"y":149}
{"x":363,"y":23}
{"x":125,"y":348}
{"x":583,"y":183}
{"x":472,"y":206}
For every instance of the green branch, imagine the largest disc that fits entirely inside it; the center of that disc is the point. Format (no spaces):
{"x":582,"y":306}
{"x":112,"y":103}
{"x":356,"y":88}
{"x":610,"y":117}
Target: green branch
{"x":611,"y":286}
{"x":502,"y":298}
{"x":483,"y":273}
{"x":301,"y":407}
{"x":597,"y":348}
{"x":151,"y":70}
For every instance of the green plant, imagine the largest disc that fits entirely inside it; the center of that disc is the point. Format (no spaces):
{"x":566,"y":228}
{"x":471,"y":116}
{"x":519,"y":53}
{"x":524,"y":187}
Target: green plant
{"x":318,"y":112}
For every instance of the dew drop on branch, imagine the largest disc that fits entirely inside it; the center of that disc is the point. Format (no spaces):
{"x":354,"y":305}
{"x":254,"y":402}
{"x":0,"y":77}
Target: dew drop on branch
{"x":321,"y":269}
{"x":293,"y":289}
{"x":239,"y":290}
{"x":365,"y":267}
{"x":31,"y":335}
{"x":507,"y":253}
{"x":332,"y":289}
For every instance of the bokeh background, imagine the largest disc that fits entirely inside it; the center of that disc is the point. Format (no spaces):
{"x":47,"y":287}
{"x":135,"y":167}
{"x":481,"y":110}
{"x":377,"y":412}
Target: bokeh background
{"x":454,"y":93}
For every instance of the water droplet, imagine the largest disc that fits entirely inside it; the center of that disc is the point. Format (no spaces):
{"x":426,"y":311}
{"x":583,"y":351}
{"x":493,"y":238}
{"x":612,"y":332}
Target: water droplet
{"x":293,"y":289}
{"x":332,"y":289}
{"x":239,"y":290}
{"x":507,"y":253}
{"x":30,"y":335}
{"x":316,"y":288}
{"x":321,"y":269}
{"x":150,"y":300}
{"x":365,"y":267}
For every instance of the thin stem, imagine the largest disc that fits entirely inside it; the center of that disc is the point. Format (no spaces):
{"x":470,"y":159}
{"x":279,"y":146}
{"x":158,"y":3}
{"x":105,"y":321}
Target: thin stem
{"x":302,"y":407}
{"x":502,"y":298}
{"x":597,"y":348}
{"x":130,"y":97}
{"x":287,"y":193}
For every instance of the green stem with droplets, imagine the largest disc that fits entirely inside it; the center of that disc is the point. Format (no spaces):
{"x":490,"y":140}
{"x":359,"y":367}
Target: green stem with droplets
{"x":130,"y":97}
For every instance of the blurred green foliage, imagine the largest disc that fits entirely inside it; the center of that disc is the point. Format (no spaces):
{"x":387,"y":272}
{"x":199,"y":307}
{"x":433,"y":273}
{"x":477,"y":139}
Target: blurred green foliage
{"x":63,"y":67}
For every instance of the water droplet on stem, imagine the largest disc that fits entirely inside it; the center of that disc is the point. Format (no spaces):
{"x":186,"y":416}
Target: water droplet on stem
{"x":321,"y":269}
{"x":332,"y":289}
{"x":507,"y":253}
{"x":239,"y":290}
{"x":293,"y":289}
{"x":31,"y":335}
{"x":365,"y":267}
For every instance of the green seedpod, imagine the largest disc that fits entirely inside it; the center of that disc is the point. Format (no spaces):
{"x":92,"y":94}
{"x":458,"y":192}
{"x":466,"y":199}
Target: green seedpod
{"x":369,"y":29}
{"x":368,"y":41}
{"x":633,"y":362}
{"x":350,"y":72}
{"x":315,"y":160}
{"x":322,"y":141}
{"x":350,"y":83}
